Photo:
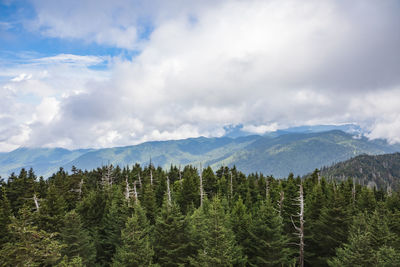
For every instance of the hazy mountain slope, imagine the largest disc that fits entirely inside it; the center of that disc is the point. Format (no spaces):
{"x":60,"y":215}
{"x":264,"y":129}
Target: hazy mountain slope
{"x":379,"y":170}
{"x":164,"y":153}
{"x":301,"y":153}
{"x":42,"y":160}
{"x":278,"y":154}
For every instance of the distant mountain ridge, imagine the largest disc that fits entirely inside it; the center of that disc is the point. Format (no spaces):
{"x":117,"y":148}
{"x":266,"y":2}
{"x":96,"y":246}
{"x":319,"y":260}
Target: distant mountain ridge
{"x":381,"y":171}
{"x":272,"y":154}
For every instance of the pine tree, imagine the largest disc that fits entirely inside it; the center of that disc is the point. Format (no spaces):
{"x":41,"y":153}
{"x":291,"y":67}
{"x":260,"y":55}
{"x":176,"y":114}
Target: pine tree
{"x":387,"y":257}
{"x":52,"y":211}
{"x":358,"y":251}
{"x":148,"y":200}
{"x":210,"y":182}
{"x":240,"y":223}
{"x":76,"y":239}
{"x":189,"y":194}
{"x":219,"y":247}
{"x":136,"y":249}
{"x":171,"y":242}
{"x":5,"y":217}
{"x":28,"y":246}
{"x":315,"y":204}
{"x":268,"y":243}
{"x":331,"y":230}
{"x":379,"y":228}
{"x":114,"y":219}
{"x":20,"y":190}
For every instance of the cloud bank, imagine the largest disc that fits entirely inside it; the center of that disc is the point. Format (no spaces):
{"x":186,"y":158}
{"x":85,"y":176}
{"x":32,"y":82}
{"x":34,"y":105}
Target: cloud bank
{"x":263,"y":64}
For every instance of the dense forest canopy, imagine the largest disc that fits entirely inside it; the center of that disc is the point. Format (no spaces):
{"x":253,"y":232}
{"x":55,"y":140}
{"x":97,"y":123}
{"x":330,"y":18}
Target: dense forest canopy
{"x":148,"y":216}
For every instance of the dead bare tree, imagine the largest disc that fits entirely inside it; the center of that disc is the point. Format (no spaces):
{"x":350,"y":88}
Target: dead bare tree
{"x":36,"y":200}
{"x":266,"y":188}
{"x":353,"y":191}
{"x":135,"y":194}
{"x":180,"y":174}
{"x":151,"y":173}
{"x":169,"y":193}
{"x":300,"y":229}
{"x":231,"y":185}
{"x":79,"y":189}
{"x":281,"y":199}
{"x":201,"y":186}
{"x":107,"y":177}
{"x":127,"y":189}
{"x":140,"y":180}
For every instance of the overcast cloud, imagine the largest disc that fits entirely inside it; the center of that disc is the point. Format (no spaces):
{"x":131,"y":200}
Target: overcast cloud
{"x":199,"y":67}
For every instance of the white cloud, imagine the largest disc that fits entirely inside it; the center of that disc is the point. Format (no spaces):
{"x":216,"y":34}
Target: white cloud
{"x":22,"y":77}
{"x":260,"y":129}
{"x":70,"y":60}
{"x":46,"y":111}
{"x":265,"y":64}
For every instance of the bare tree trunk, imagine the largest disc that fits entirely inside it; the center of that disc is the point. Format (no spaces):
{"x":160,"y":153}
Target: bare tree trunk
{"x":301,"y":232}
{"x":135,"y":193}
{"x":353,"y":191}
{"x":36,"y":200}
{"x":180,"y":174}
{"x":80,"y":188}
{"x":107,"y":178}
{"x":127,"y":189}
{"x":201,"y":186}
{"x":266,"y":188}
{"x":169,"y":192}
{"x":151,"y":176}
{"x":282,"y":198}
{"x":231,"y":185}
{"x":140,"y":180}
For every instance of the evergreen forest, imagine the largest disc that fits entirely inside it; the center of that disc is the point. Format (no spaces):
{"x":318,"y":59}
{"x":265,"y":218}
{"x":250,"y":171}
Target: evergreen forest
{"x":194,"y":216}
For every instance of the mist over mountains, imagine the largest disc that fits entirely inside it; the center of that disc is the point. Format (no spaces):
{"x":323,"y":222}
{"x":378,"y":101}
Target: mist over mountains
{"x":298,"y":150}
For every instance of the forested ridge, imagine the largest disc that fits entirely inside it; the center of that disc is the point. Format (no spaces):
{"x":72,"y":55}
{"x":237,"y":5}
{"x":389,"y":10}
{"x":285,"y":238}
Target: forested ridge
{"x":148,"y":216}
{"x":382,"y":171}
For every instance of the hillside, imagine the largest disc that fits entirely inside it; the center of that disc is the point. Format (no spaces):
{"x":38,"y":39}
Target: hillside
{"x":277,"y":154}
{"x":301,"y":153}
{"x":373,"y":170}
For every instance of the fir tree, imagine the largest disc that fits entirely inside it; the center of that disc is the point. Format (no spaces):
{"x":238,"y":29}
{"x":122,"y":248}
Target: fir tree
{"x":136,"y":249}
{"x":219,"y":247}
{"x":240,"y":223}
{"x":171,"y":242}
{"x":5,"y":216}
{"x":29,"y":246}
{"x":268,"y":243}
{"x":52,"y":211}
{"x":114,"y":218}
{"x":77,"y":240}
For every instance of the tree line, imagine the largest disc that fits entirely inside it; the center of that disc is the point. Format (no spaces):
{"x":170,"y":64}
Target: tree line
{"x":147,"y":216}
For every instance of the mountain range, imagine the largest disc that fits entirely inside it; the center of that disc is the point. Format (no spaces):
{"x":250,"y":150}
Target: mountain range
{"x":381,"y":171}
{"x":298,"y":150}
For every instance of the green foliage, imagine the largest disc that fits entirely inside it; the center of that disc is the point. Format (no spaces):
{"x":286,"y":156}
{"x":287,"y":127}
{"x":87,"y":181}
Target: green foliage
{"x":29,"y":246}
{"x":136,"y":248}
{"x":5,"y":217}
{"x":171,"y":242}
{"x":114,"y":218}
{"x":268,"y":245}
{"x":77,"y":240}
{"x":246,"y":224}
{"x":379,"y":170}
{"x":52,"y":210}
{"x":218,"y":247}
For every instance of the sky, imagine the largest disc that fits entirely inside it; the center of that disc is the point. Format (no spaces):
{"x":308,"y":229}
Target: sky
{"x":96,"y":73}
